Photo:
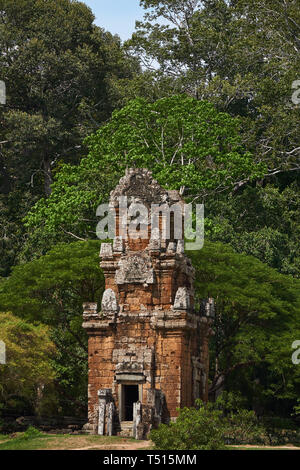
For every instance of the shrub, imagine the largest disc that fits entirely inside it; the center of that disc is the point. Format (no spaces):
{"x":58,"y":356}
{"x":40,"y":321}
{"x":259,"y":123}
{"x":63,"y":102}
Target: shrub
{"x":194,"y":429}
{"x":31,"y":433}
{"x":243,"y":427}
{"x":240,"y":426}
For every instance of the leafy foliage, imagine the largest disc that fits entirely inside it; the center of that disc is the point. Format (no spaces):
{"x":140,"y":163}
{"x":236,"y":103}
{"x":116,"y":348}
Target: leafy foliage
{"x":256,"y":323}
{"x":187,"y":144}
{"x":28,"y":369}
{"x":60,"y":72}
{"x":52,"y":289}
{"x":194,"y":429}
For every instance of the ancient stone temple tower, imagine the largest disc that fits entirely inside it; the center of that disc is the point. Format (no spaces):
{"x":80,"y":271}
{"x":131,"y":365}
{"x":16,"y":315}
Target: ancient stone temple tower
{"x":148,"y":347}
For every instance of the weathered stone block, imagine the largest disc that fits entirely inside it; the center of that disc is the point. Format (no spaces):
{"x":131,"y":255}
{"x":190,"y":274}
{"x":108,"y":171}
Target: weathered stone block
{"x":182,"y":299}
{"x":109,"y":302}
{"x":106,"y":250}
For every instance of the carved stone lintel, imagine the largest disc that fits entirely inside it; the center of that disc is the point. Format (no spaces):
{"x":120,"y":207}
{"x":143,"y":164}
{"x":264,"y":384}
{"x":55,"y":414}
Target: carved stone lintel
{"x":135,"y":270}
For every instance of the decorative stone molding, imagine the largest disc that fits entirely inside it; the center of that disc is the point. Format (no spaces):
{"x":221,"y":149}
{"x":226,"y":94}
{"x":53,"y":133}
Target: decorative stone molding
{"x":118,"y":245}
{"x":180,"y":247}
{"x":207,"y":308}
{"x":182,"y":299}
{"x":106,"y":250}
{"x":90,"y":308}
{"x":135,"y":269}
{"x":130,"y":367}
{"x":134,"y":378}
{"x":155,"y":241}
{"x":139,"y":186}
{"x":171,"y":247}
{"x":109,"y":302}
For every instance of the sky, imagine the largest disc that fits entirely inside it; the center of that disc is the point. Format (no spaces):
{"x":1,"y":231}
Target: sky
{"x":117,"y":16}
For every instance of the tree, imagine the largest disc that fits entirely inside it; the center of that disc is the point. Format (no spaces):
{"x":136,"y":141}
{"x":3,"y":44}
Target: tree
{"x":227,"y":53}
{"x":52,"y":290}
{"x":28,"y":369}
{"x":186,"y":143}
{"x":257,"y":320}
{"x":61,"y":73}
{"x":261,"y":221}
{"x":57,"y":72}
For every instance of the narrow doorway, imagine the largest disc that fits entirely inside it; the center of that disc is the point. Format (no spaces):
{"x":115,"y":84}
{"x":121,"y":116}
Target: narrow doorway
{"x":130,"y":396}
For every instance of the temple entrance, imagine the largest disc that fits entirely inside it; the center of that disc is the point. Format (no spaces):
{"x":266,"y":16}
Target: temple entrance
{"x":130,"y":396}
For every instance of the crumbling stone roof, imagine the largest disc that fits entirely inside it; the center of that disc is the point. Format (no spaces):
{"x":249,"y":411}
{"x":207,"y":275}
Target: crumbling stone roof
{"x":139,"y":185}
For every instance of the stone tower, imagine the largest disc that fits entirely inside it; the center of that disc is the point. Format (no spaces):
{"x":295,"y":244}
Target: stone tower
{"x":148,"y":347}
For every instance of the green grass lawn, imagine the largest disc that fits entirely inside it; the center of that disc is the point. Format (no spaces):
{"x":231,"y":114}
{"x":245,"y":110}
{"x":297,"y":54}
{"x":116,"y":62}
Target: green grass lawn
{"x":33,"y":439}
{"x":42,"y":441}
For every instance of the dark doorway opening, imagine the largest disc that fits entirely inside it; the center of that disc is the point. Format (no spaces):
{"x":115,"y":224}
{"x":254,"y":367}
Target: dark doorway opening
{"x":131,"y":396}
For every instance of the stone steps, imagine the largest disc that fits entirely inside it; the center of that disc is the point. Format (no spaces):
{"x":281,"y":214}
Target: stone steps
{"x":126,"y":429}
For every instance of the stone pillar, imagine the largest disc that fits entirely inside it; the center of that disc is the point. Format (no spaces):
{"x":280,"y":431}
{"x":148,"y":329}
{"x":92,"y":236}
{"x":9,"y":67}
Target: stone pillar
{"x":137,"y":429}
{"x":105,"y":398}
{"x":110,"y":418}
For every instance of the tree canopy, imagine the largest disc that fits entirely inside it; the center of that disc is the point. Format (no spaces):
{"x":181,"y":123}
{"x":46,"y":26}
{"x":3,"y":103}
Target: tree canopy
{"x":257,"y":319}
{"x":188,"y":144}
{"x":61,"y":73}
{"x":28,"y":369}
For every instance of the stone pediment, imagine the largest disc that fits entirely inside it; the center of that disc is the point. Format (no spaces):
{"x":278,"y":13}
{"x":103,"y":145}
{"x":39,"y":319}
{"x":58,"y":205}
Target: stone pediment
{"x":135,"y":269}
{"x":138,"y":185}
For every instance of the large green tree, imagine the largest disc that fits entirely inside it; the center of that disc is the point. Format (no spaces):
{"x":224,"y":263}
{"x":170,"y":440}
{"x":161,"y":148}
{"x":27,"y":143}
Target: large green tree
{"x":61,"y":73}
{"x":187,"y":144}
{"x":242,"y":56}
{"x":257,"y":320}
{"x":28,"y":370}
{"x":58,"y":69}
{"x":51,"y":290}
{"x":228,"y":52}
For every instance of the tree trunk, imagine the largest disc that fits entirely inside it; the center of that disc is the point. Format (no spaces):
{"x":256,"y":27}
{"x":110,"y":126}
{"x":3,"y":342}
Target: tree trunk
{"x":48,"y":176}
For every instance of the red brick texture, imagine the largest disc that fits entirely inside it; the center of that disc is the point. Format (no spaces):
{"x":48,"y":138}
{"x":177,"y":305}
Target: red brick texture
{"x":163,"y":347}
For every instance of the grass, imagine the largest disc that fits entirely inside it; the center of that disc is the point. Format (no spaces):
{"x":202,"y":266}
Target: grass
{"x":36,"y":440}
{"x":33,"y":439}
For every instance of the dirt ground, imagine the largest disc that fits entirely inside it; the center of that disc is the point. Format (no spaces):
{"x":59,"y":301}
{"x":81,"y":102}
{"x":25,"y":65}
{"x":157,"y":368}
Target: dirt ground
{"x":85,"y":442}
{"x":140,"y":445}
{"x":69,"y":442}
